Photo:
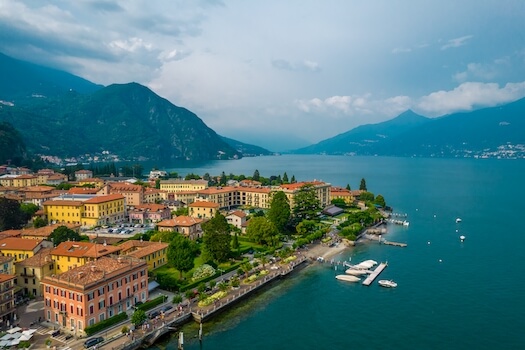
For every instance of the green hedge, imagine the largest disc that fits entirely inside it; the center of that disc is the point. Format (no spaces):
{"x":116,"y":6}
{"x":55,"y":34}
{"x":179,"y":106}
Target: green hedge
{"x":151,"y":304}
{"x":97,"y":327}
{"x":209,"y":278}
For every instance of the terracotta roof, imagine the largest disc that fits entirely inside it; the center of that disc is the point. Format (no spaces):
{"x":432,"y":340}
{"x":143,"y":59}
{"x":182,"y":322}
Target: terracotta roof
{"x":203,"y":204}
{"x":45,"y":231}
{"x":298,"y":185}
{"x":5,"y":277}
{"x":103,"y":199}
{"x":4,"y":259}
{"x":140,"y":249}
{"x":125,"y":187}
{"x":38,"y":189}
{"x":181,"y":220}
{"x":27,"y":176}
{"x":239,"y":213}
{"x":15,"y":243}
{"x":98,"y":270}
{"x":83,"y":190}
{"x":10,"y":233}
{"x":211,"y":190}
{"x":83,"y":172}
{"x":40,"y":259}
{"x":84,"y":249}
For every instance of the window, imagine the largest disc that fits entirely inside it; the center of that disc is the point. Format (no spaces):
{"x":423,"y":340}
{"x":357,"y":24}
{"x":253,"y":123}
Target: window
{"x":91,"y":309}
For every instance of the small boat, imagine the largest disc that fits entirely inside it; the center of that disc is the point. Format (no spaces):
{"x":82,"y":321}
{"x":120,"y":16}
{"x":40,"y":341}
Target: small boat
{"x":458,"y":220}
{"x":355,"y":272}
{"x":348,"y":278}
{"x":387,"y":283}
{"x":462,"y":238}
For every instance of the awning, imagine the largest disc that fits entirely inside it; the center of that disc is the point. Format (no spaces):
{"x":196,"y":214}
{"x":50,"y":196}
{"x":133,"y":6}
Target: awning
{"x":152,"y":285}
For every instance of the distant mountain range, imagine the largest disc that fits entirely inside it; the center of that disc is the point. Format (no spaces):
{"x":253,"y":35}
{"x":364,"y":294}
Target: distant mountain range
{"x":61,"y":114}
{"x":495,"y":132}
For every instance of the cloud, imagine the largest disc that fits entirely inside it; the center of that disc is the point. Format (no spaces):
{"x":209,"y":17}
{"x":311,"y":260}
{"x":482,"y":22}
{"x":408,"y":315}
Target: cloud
{"x":468,"y":96}
{"x":401,"y":50}
{"x":477,"y":71}
{"x":457,"y":42}
{"x":304,"y":66}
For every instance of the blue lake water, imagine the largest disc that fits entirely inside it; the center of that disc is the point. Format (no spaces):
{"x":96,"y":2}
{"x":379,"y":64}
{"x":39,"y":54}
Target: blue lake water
{"x":450,"y":295}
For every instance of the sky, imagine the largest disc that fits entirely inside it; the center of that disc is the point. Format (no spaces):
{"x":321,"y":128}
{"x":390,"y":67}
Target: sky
{"x":284,"y":74}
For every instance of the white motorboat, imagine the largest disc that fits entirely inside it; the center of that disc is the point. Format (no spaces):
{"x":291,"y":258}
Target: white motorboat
{"x":458,"y":220}
{"x":387,"y":283}
{"x":355,"y":272}
{"x":348,"y":278}
{"x":462,"y":238}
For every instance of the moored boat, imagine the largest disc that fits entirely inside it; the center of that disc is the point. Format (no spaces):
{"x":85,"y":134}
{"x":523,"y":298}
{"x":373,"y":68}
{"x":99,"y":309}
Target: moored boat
{"x":356,"y":272}
{"x":348,"y":278}
{"x":387,"y":283}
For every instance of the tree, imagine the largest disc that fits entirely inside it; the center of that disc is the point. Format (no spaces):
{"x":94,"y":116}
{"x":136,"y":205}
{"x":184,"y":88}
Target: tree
{"x":362,"y":185}
{"x":235,"y":241}
{"x":162,"y":236}
{"x":256,"y":176}
{"x":138,"y":318}
{"x":182,"y":211}
{"x":305,"y":227}
{"x":29,"y":208}
{"x":366,"y":196}
{"x":292,"y":181}
{"x":181,"y":254}
{"x":339,"y":202}
{"x":63,"y":234}
{"x":11,"y":217}
{"x":285,"y":178}
{"x":39,"y":222}
{"x":279,"y":212}
{"x":262,"y":231}
{"x":216,"y":238}
{"x":223,"y":179}
{"x":348,"y":187}
{"x":306,"y":204}
{"x":380,"y":200}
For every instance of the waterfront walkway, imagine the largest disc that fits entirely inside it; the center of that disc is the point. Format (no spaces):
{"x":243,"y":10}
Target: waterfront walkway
{"x":374,"y":274}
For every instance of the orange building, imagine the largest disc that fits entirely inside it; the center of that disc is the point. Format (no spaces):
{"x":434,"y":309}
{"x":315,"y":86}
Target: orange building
{"x":94,"y":292}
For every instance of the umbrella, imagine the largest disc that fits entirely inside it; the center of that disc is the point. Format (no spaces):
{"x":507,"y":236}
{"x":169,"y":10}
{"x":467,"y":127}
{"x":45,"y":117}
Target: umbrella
{"x":14,"y":342}
{"x":14,"y":330}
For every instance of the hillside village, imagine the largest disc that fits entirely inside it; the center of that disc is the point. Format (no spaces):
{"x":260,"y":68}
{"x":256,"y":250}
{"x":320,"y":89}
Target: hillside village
{"x":72,"y":277}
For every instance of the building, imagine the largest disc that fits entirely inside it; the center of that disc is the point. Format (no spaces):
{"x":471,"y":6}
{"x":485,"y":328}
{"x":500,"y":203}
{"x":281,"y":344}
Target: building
{"x":64,"y":211}
{"x":94,"y":292}
{"x":31,"y":271}
{"x":134,"y":194}
{"x":42,"y":233}
{"x":321,"y":189}
{"x":20,"y":248}
{"x":7,"y":265}
{"x":203,"y":209}
{"x":236,"y":218}
{"x":83,"y":174}
{"x":178,"y":185}
{"x":146,"y":213}
{"x":154,"y":253}
{"x":69,"y":255}
{"x":25,"y":180}
{"x":185,"y":225}
{"x":347,"y":196}
{"x":104,"y":210}
{"x":7,"y":299}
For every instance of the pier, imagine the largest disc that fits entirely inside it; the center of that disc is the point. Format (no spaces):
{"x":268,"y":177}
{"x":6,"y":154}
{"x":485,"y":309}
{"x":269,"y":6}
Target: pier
{"x":397,"y":244}
{"x":374,"y":274}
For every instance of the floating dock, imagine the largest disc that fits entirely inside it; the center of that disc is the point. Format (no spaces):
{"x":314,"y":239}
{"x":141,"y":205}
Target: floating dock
{"x":374,"y":274}
{"x":397,"y":244}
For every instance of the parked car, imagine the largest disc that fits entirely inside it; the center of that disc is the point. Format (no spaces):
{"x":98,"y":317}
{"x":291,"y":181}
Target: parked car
{"x":92,"y":342}
{"x":55,"y":333}
{"x":167,"y":308}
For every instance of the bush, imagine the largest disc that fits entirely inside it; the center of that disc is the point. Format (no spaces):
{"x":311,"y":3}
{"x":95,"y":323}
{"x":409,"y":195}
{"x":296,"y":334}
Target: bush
{"x":203,"y":272}
{"x":97,"y":327}
{"x":151,"y":304}
{"x":124,"y":330}
{"x":24,"y":344}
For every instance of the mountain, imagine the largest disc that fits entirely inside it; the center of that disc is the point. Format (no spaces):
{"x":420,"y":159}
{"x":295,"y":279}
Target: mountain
{"x":22,"y":80}
{"x":125,"y":119}
{"x":495,"y":131}
{"x":12,"y":147}
{"x":245,"y":149}
{"x":364,"y":138}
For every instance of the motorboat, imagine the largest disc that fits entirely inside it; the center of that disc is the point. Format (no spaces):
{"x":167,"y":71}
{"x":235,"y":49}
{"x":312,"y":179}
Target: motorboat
{"x":355,"y":272}
{"x":348,"y":278}
{"x":462,"y":238}
{"x":458,"y":220}
{"x":387,"y":283}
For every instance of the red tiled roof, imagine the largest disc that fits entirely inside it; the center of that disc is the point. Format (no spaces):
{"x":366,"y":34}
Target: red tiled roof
{"x":203,"y":204}
{"x":103,"y":199}
{"x":16,"y":243}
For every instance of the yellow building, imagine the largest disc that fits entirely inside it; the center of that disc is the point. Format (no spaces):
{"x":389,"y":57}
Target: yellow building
{"x":202,"y":209}
{"x":69,"y":255}
{"x":20,"y":248}
{"x":30,"y":272}
{"x":321,"y":189}
{"x":176,"y":185}
{"x":104,"y":210}
{"x":134,"y":194}
{"x":64,"y":211}
{"x":154,"y":253}
{"x":7,"y":300}
{"x":347,"y":196}
{"x":25,"y":180}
